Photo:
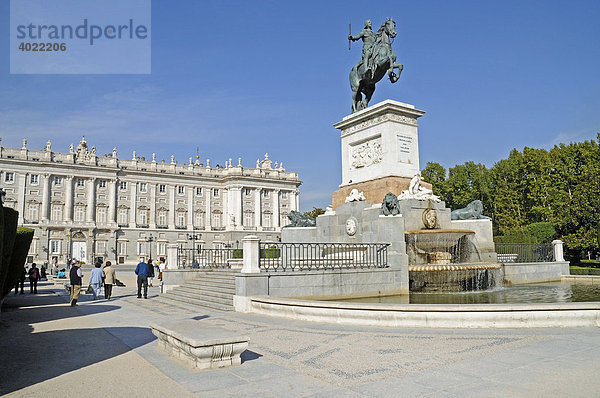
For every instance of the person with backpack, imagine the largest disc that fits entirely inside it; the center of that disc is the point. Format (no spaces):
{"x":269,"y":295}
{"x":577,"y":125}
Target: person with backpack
{"x":34,"y":276}
{"x":75,"y":276}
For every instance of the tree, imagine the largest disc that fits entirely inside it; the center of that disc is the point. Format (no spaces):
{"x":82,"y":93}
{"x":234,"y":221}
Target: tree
{"x":315,"y":212}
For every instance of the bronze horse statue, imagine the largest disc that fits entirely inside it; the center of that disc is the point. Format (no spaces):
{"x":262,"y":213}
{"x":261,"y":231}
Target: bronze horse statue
{"x":362,"y":81}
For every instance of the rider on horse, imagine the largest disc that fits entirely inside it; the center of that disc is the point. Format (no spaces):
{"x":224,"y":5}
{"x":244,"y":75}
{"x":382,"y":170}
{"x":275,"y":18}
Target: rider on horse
{"x":368,"y":37}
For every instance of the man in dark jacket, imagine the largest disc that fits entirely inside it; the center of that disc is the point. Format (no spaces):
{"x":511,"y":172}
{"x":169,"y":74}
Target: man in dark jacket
{"x":142,"y":271}
{"x":76,"y":276}
{"x":21,"y":282}
{"x":34,"y":276}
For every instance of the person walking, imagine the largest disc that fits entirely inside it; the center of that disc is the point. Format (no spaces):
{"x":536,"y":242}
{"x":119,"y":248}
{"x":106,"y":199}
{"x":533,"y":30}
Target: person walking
{"x":142,"y":271}
{"x":109,"y":279}
{"x":34,"y":276}
{"x":150,"y":272}
{"x":21,"y":282}
{"x":96,"y":280}
{"x":75,"y":275}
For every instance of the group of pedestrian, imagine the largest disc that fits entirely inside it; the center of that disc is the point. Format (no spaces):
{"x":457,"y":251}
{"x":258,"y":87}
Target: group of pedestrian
{"x":99,"y":276}
{"x":144,"y":271}
{"x":34,"y":275}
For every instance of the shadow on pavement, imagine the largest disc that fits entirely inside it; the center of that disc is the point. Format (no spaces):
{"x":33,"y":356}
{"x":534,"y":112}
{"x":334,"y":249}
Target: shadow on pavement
{"x":42,"y":337}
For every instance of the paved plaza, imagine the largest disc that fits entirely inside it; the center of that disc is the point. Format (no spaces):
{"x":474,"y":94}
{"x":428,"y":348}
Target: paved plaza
{"x":105,"y":348}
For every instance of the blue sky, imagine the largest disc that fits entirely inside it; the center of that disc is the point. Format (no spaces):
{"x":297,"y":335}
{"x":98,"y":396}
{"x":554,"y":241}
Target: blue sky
{"x":249,"y":77}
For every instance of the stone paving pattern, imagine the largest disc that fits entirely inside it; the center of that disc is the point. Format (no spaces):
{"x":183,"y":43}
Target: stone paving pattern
{"x":50,"y":349}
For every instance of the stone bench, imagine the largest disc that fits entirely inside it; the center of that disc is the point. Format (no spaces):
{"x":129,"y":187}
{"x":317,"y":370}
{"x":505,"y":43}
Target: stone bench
{"x":201,"y":347}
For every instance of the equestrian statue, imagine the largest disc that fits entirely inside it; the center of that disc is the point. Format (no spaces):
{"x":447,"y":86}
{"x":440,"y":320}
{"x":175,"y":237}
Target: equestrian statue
{"x":378,"y":58}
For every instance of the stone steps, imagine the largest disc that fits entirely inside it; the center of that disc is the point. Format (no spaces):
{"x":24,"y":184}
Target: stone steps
{"x":212,"y":289}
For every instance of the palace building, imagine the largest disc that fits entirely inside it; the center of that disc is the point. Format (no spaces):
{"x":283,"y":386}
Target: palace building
{"x":90,"y":207}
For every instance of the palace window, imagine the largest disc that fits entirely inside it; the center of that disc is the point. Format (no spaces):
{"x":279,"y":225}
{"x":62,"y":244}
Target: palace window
{"x":199,"y":219}
{"x":266,"y":220}
{"x":34,"y":179}
{"x":102,"y":184}
{"x":249,"y":219}
{"x":162,"y":188}
{"x":181,"y":190}
{"x":247,"y":191}
{"x":123,"y":185}
{"x":56,"y":214}
{"x":143,"y":217}
{"x":162,"y":218}
{"x":143,"y":187}
{"x":216,"y":220}
{"x":33,"y":212}
{"x":55,"y":247}
{"x":181,"y":219}
{"x":161,"y":248}
{"x":9,"y":177}
{"x":101,"y":215}
{"x":141,"y":248}
{"x":123,"y":213}
{"x":266,"y":193}
{"x":198,"y":191}
{"x":101,"y":247}
{"x":80,"y":182}
{"x":79,"y":213}
{"x":216,"y":192}
{"x":58,"y":180}
{"x":122,"y":248}
{"x":283,"y":195}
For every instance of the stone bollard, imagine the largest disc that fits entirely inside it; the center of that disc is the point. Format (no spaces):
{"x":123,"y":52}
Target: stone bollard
{"x":558,"y":250}
{"x":251,"y":245}
{"x":172,"y":260}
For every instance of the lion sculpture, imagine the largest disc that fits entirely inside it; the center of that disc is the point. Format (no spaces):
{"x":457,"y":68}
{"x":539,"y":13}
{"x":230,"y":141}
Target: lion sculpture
{"x":300,"y":220}
{"x":390,"y":205}
{"x":473,"y":211}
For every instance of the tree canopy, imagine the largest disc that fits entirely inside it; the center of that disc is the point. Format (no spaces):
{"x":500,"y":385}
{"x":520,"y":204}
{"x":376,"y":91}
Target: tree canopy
{"x":536,"y":193}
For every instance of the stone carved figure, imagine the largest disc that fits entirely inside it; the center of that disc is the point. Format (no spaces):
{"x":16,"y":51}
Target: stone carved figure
{"x":378,"y":59}
{"x":300,"y":220}
{"x":416,"y":191}
{"x":367,"y":153}
{"x":355,"y":196}
{"x":48,"y":147}
{"x":473,"y":211}
{"x":390,"y":205}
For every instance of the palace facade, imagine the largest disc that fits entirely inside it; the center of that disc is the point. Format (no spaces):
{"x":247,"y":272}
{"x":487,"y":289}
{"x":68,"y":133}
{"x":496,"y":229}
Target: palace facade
{"x":90,"y":207}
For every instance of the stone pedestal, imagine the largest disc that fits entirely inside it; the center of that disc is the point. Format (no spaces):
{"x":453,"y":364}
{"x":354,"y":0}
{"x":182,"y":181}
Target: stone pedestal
{"x":380,"y":148}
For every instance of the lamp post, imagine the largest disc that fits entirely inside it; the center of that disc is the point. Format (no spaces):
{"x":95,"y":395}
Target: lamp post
{"x":150,"y":240}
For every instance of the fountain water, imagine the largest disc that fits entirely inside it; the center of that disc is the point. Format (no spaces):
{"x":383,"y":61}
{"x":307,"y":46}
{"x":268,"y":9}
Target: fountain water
{"x":447,"y":260}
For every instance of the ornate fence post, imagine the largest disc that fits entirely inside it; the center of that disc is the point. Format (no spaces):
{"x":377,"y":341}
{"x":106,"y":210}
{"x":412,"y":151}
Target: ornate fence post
{"x":558,"y":250}
{"x":250,"y":245}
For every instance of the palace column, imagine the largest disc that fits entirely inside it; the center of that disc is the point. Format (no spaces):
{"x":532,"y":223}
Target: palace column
{"x":257,"y":215}
{"x":21,"y":189}
{"x":45,"y":196}
{"x":226,"y":221}
{"x":68,"y":216}
{"x":112,"y":201}
{"x":91,"y":200}
{"x":276,"y":208}
{"x":171,"y":207}
{"x":153,"y":206}
{"x":208,"y":195}
{"x":297,"y":200}
{"x":190,"y":216}
{"x":133,"y":204}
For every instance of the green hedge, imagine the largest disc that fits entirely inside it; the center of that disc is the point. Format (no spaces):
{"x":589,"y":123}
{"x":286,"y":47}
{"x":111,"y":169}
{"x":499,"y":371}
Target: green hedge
{"x":270,"y":253}
{"x":18,"y":258}
{"x":238,"y":253}
{"x":9,"y":233}
{"x":584,"y":270}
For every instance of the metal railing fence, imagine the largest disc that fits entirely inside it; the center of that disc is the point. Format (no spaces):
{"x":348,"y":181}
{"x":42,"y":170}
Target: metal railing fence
{"x":321,"y":256}
{"x":206,"y":258}
{"x":525,"y":252}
